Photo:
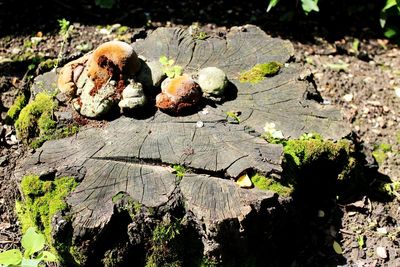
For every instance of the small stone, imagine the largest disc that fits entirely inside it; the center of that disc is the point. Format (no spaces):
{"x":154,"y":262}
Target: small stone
{"x":381,"y":252}
{"x":199,"y":124}
{"x":382,"y":230}
{"x":63,"y":116}
{"x":397,"y":92}
{"x":212,"y":81}
{"x":348,"y":97}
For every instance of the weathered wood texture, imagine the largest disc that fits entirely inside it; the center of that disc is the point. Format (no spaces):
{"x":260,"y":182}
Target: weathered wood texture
{"x":131,"y":155}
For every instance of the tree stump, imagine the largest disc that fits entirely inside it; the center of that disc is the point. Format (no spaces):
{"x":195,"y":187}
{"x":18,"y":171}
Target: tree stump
{"x":132,"y":156}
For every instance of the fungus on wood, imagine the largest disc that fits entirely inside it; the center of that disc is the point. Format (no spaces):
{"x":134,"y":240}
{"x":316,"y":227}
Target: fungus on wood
{"x":133,"y":155}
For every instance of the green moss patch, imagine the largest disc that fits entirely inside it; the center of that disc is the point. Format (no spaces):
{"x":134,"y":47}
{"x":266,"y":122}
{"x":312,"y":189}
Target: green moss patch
{"x":380,"y":151}
{"x":37,"y":117}
{"x":306,"y":151}
{"x":36,"y":123}
{"x":259,"y":72}
{"x":264,"y":183}
{"x":13,"y":112}
{"x":41,"y":201}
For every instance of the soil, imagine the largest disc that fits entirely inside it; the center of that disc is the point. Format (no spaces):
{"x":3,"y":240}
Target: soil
{"x":354,"y":68}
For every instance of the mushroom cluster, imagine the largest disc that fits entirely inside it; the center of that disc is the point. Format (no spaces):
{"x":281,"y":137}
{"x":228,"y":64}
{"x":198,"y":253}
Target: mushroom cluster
{"x":113,"y":74}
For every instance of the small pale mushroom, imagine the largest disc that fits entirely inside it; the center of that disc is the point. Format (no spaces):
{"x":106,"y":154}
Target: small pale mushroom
{"x":132,"y":96}
{"x":177,"y":94}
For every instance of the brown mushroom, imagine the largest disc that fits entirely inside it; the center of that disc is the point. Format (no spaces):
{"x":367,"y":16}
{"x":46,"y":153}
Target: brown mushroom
{"x":115,"y":60}
{"x":177,"y":94}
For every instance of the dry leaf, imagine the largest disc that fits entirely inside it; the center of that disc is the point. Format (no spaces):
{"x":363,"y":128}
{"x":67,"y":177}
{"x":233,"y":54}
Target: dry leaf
{"x":337,"y":248}
{"x":244,"y":181}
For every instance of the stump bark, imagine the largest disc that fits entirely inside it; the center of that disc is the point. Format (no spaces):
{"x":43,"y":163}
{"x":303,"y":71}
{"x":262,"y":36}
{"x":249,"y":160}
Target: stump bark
{"x":132,"y":156}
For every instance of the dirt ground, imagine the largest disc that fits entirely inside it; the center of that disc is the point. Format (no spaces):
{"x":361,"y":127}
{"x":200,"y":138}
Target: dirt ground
{"x":355,"y":70}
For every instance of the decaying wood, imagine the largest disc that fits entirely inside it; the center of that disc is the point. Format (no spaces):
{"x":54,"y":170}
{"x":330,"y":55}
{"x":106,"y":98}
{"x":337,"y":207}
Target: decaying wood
{"x":132,"y":155}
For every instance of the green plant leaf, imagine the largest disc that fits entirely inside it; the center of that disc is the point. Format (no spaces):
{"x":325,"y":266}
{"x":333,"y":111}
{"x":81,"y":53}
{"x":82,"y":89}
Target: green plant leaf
{"x":169,"y":72}
{"x":337,"y":248}
{"x":47,"y":256}
{"x":32,"y":242}
{"x":177,"y":70}
{"x":271,"y":4}
{"x":108,"y":4}
{"x":171,"y":62}
{"x":163,"y":60}
{"x":11,"y":257}
{"x":391,"y":32}
{"x":29,"y":262}
{"x":389,"y":4}
{"x":309,"y":5}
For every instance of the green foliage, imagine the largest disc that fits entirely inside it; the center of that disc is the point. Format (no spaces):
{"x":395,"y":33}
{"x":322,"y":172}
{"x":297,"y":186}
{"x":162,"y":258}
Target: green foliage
{"x":391,"y":9}
{"x":33,"y":243}
{"x":65,"y":31}
{"x":106,"y":4}
{"x":380,"y":151}
{"x":57,"y":133}
{"x":259,"y":72}
{"x":65,"y":27}
{"x":36,"y":118}
{"x":169,"y":68}
{"x":307,"y":5}
{"x":163,"y":251}
{"x":41,"y":201}
{"x":179,"y":170}
{"x":393,"y":189}
{"x":360,"y":241}
{"x":13,"y":112}
{"x":264,"y":183}
{"x":233,"y":115}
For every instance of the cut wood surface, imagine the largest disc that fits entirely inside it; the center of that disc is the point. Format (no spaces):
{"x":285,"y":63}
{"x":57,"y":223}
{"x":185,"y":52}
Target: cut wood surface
{"x":133,"y":155}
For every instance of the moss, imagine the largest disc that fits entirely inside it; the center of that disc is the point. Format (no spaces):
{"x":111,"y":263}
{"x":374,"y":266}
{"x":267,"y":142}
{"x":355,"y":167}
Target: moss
{"x":380,"y":151}
{"x":47,"y":65}
{"x":122,"y":30}
{"x":52,"y":134}
{"x":259,"y":72}
{"x":309,"y":150}
{"x":41,"y":201}
{"x":163,"y":251}
{"x":265,"y":183}
{"x":379,"y":155}
{"x":13,"y":112}
{"x":36,"y":117}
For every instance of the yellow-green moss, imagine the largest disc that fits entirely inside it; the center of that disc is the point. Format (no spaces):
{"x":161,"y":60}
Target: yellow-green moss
{"x":265,"y":183}
{"x":309,"y":150}
{"x":36,"y":118}
{"x":58,"y":133}
{"x":13,"y":112}
{"x":259,"y":72}
{"x":41,"y":201}
{"x":380,"y":151}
